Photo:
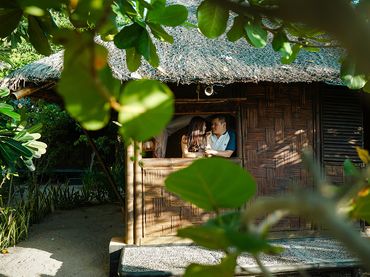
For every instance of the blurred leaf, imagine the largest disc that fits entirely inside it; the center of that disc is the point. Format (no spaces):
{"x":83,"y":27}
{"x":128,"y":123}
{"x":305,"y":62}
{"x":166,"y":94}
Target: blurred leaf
{"x":172,"y":15}
{"x":4,"y":92}
{"x":237,"y":30}
{"x":9,"y":18}
{"x":212,"y":18}
{"x":37,"y":36}
{"x":256,"y":34}
{"x":88,"y":11}
{"x":224,"y":269}
{"x":160,"y":33}
{"x":199,"y":184}
{"x":147,"y":107}
{"x":362,"y":205}
{"x":350,"y":169}
{"x":363,"y":154}
{"x":349,"y":75}
{"x":211,"y":237}
{"x":90,"y":105}
{"x":133,"y":59}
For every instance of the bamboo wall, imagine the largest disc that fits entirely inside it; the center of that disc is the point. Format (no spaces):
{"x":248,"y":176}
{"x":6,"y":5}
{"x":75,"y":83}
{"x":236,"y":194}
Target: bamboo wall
{"x":275,"y":122}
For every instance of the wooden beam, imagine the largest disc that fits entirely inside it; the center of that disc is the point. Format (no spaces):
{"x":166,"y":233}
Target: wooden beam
{"x":138,"y":195}
{"x":129,"y":199}
{"x":29,"y":91}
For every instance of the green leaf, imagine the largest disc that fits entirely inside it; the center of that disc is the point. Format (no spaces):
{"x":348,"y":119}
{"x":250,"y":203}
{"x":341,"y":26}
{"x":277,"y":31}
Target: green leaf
{"x":362,"y":205}
{"x":146,"y":48}
{"x":4,"y":92}
{"x":256,"y":34}
{"x":237,"y":30}
{"x":17,"y":147}
{"x":147,"y":109}
{"x":172,"y":15}
{"x":90,"y":105}
{"x":133,"y":59}
{"x":9,"y":18}
{"x":129,"y":36}
{"x":350,"y":169}
{"x":211,"y":237}
{"x":160,"y":33}
{"x":212,"y":18}
{"x":225,"y":269}
{"x":350,"y":76}
{"x":199,"y":184}
{"x":8,"y":110}
{"x":289,"y":58}
{"x":280,"y":43}
{"x":37,"y":36}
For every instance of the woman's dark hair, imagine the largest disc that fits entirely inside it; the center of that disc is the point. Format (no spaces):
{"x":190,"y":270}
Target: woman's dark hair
{"x":196,"y":135}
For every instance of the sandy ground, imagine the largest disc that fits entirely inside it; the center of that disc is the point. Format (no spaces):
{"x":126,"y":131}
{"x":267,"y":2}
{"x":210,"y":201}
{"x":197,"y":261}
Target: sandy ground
{"x":66,"y":243}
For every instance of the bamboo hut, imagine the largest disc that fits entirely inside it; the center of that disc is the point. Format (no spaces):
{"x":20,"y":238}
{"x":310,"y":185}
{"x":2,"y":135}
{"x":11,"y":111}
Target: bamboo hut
{"x":276,"y":110}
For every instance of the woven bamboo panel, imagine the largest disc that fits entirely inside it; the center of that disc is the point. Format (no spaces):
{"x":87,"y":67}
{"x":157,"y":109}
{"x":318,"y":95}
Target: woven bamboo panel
{"x":164,"y":213}
{"x":279,"y":125}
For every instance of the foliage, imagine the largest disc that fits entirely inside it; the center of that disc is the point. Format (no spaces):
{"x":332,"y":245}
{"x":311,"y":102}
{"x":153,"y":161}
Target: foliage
{"x":235,"y":232}
{"x":294,"y":24}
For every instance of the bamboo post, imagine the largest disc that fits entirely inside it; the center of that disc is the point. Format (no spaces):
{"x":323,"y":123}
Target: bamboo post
{"x":129,"y":199}
{"x":138,"y":195}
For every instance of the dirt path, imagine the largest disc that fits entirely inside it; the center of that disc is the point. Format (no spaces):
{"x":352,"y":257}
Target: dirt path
{"x":66,"y":243}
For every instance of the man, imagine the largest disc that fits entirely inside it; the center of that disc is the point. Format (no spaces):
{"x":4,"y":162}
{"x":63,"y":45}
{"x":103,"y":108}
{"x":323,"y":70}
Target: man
{"x":222,"y":141}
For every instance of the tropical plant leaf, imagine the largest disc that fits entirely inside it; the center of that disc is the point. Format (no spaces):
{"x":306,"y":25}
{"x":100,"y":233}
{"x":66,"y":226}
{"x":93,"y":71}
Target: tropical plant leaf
{"x":37,"y":36}
{"x":147,"y":107}
{"x":237,"y":30}
{"x":350,"y":76}
{"x":256,"y":34}
{"x":200,"y":185}
{"x":172,"y":15}
{"x":133,"y":59}
{"x":212,"y":18}
{"x":225,"y":268}
{"x":10,"y":17}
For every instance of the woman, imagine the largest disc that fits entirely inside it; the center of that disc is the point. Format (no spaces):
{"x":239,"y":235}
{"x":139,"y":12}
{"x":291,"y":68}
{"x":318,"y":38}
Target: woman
{"x":195,"y":142}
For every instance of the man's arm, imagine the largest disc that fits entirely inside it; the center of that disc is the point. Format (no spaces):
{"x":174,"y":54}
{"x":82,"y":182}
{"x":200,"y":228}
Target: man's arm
{"x":219,"y":153}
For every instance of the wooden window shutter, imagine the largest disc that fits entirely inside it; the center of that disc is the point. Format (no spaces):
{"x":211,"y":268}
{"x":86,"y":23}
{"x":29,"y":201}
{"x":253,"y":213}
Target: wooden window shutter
{"x":341,"y":125}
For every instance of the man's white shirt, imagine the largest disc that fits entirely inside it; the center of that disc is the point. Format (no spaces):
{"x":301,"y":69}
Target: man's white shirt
{"x":219,"y":143}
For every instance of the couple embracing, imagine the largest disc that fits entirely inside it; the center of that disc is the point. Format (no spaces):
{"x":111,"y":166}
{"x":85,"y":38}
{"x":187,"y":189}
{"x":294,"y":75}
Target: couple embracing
{"x":197,"y":142}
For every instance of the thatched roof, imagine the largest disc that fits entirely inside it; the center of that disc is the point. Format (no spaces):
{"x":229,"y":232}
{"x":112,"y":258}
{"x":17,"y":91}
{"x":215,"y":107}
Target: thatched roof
{"x":195,"y":59}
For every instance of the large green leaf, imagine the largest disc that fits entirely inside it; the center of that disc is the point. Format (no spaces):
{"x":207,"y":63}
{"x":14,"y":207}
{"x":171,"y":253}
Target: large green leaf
{"x":237,"y":30}
{"x":350,"y":76}
{"x":10,"y":15}
{"x":85,"y":94}
{"x":129,"y":36}
{"x":147,"y":49}
{"x":212,"y":18}
{"x":256,"y":34}
{"x":172,"y":15}
{"x":206,"y":183}
{"x":147,"y":109}
{"x":224,"y":269}
{"x":37,"y":36}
